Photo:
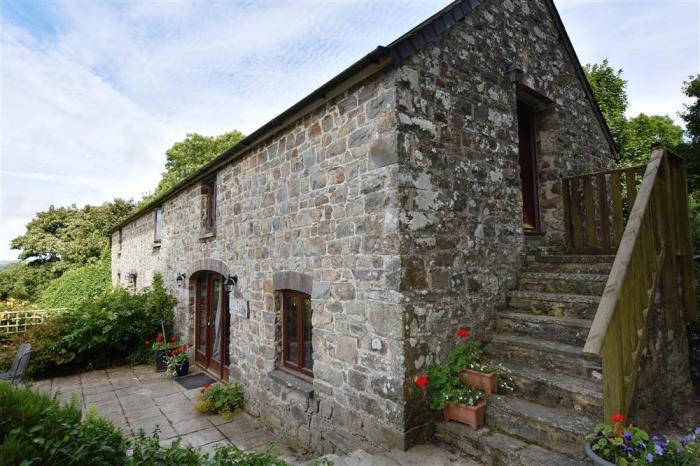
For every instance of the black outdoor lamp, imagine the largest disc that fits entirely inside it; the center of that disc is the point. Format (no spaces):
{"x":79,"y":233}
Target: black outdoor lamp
{"x":131,"y":278}
{"x":513,"y":71}
{"x":230,"y":283}
{"x":180,"y":280}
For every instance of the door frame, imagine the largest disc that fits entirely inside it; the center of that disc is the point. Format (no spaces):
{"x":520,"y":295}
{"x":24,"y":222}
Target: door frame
{"x":524,"y":105}
{"x":204,"y":359}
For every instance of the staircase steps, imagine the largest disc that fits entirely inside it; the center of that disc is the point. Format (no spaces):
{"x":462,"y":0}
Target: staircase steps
{"x":493,"y":448}
{"x":540,"y":332}
{"x":544,"y":355}
{"x":553,"y":304}
{"x":560,"y":329}
{"x":582,"y":395}
{"x":569,"y":283}
{"x":557,"y":429}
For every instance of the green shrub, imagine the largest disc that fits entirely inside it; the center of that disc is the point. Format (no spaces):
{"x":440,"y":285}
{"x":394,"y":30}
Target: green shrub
{"x":77,"y":285}
{"x":220,"y":399}
{"x":35,"y":429}
{"x":107,"y":329}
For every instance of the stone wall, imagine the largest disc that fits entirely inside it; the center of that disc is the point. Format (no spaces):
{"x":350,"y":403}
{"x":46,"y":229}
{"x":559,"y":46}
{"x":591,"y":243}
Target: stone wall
{"x":319,"y":199}
{"x":460,"y":190}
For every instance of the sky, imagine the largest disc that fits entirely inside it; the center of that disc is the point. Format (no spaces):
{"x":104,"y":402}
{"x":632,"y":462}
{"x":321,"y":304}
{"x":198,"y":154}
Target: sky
{"x":92,"y":93}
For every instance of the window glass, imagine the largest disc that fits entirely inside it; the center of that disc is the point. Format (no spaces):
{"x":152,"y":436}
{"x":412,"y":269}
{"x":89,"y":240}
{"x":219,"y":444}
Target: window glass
{"x":308,"y":352}
{"x":158,"y":231}
{"x":292,"y":327}
{"x":297,"y":348}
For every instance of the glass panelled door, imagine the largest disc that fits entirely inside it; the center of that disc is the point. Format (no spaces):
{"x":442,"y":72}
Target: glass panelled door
{"x":212,"y":324}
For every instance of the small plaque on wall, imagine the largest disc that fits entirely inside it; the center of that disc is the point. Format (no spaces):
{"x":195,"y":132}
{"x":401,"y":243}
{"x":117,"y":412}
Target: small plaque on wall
{"x":240,"y":307}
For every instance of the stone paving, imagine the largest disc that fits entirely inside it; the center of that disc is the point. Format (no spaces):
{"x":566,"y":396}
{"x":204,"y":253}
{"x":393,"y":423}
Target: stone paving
{"x":138,"y":397}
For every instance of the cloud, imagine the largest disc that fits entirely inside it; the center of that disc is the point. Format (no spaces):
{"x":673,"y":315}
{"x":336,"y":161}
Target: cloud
{"x":93,"y":93}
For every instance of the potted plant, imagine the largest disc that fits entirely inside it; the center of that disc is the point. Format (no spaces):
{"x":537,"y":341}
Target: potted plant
{"x":178,"y":362}
{"x":466,"y":358}
{"x":458,"y":402}
{"x":613,"y":444}
{"x":161,"y":350}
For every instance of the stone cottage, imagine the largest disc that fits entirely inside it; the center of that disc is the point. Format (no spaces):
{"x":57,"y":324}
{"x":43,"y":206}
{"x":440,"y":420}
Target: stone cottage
{"x":324,"y":261}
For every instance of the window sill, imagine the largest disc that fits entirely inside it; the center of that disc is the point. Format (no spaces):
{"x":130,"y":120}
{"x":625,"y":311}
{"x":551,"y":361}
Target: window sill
{"x":207,"y":235}
{"x":293,"y":382}
{"x":156,"y":245}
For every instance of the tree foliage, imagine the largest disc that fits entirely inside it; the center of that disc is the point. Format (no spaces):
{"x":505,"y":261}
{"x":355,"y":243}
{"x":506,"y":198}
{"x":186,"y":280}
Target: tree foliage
{"x":189,"y":155}
{"x":610,"y":91}
{"x":691,"y":116}
{"x":77,"y":285}
{"x":25,"y":281}
{"x":643,"y":132}
{"x":69,"y":234}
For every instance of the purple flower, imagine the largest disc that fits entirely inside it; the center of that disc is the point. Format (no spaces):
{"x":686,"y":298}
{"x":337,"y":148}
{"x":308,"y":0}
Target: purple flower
{"x":697,"y":430}
{"x":650,"y":458}
{"x":642,"y":445}
{"x":626,"y":449}
{"x":627,"y":436}
{"x":658,"y":449}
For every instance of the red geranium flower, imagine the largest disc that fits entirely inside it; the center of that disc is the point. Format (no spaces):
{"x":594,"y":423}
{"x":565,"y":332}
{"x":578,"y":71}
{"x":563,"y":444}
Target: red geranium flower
{"x":173,"y":339}
{"x":146,"y":342}
{"x":184,"y":347}
{"x":617,"y":418}
{"x":422,"y":382}
{"x":159,"y":338}
{"x":464,"y":333}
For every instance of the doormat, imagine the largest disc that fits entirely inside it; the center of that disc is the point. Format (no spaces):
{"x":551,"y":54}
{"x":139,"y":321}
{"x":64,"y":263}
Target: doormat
{"x":194,"y":381}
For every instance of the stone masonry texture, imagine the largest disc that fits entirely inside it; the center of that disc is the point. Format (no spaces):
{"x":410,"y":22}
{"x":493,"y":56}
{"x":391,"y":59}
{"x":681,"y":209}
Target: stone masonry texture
{"x":399,"y":205}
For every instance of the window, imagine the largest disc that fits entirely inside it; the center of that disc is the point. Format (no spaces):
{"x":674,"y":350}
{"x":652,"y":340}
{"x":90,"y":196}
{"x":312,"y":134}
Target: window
{"x":209,"y":191}
{"x":119,"y":250}
{"x":157,"y":224}
{"x":296,"y":332}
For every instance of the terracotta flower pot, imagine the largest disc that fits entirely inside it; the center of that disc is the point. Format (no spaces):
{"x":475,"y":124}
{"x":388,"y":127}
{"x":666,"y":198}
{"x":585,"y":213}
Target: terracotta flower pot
{"x":486,"y":381}
{"x":473,"y":416}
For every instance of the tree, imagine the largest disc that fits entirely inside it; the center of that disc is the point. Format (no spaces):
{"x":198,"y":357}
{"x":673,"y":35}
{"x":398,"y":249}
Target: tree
{"x":610,"y":92}
{"x":188,"y":156}
{"x":643,"y":132}
{"x":691,"y":149}
{"x":70,"y":235}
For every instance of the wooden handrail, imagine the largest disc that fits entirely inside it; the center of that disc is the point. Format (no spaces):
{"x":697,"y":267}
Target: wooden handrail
{"x":656,"y":241}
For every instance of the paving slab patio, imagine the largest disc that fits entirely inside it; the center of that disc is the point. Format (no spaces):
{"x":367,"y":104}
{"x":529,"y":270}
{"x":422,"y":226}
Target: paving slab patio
{"x":137,"y":397}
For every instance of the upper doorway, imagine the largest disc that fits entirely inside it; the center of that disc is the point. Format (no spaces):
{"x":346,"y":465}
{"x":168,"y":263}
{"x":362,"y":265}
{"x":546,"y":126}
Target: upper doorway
{"x":527,"y":159}
{"x":212,"y":324}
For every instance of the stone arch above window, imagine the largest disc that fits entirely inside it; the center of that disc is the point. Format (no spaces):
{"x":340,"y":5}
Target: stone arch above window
{"x":292,"y":281}
{"x":214,"y":265}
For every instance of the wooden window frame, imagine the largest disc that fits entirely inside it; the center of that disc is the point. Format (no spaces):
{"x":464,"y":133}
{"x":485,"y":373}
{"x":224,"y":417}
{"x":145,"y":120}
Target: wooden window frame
{"x":297,"y":368}
{"x":157,"y":239}
{"x":209,"y":190}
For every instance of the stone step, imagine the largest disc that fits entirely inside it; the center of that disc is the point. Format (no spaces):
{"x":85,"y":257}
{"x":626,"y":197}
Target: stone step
{"x":492,"y":448}
{"x":581,"y":395}
{"x":554,"y":304}
{"x":571,"y":283}
{"x":562,"y":329}
{"x":569,"y":264}
{"x":558,"y":429}
{"x":545,"y":356}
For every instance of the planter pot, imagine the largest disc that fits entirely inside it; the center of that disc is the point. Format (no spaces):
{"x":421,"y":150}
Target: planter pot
{"x":161,"y":359}
{"x":473,"y":416}
{"x":182,"y":368}
{"x":597,"y":460}
{"x":488,"y":382}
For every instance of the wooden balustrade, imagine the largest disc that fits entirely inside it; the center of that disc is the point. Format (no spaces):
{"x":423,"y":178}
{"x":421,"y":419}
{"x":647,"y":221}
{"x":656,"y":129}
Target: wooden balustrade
{"x":596,"y":207}
{"x":654,"y":251}
{"x":16,"y":321}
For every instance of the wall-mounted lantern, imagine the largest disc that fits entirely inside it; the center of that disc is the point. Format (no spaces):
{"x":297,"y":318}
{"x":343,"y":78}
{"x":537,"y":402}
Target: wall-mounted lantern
{"x":180,"y":280}
{"x":230,"y":283}
{"x":513,"y":71}
{"x":131,"y":278}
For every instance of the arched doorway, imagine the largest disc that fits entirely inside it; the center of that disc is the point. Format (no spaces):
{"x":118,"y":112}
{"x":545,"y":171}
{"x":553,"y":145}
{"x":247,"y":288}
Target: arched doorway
{"x":212,"y":329}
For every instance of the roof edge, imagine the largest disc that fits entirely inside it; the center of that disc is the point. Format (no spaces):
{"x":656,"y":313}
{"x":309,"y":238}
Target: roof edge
{"x":381,"y":57}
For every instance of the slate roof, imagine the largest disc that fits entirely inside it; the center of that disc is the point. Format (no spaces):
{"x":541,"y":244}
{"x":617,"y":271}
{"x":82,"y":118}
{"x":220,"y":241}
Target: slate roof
{"x":394,"y":53}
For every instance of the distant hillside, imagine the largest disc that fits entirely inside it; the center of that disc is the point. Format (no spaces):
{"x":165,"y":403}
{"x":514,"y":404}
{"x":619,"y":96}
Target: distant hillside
{"x":6,"y":263}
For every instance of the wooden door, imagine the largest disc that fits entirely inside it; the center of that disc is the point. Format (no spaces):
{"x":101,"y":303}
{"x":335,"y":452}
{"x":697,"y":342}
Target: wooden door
{"x":528,"y":167}
{"x":212,"y":332}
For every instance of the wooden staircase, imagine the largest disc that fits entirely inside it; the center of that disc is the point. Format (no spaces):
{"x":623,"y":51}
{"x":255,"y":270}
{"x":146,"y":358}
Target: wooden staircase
{"x":539,"y":337}
{"x":574,"y":331}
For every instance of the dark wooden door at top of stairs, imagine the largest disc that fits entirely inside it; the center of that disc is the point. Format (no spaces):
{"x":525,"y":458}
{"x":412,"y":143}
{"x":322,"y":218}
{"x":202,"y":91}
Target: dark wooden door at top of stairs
{"x":539,"y":337}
